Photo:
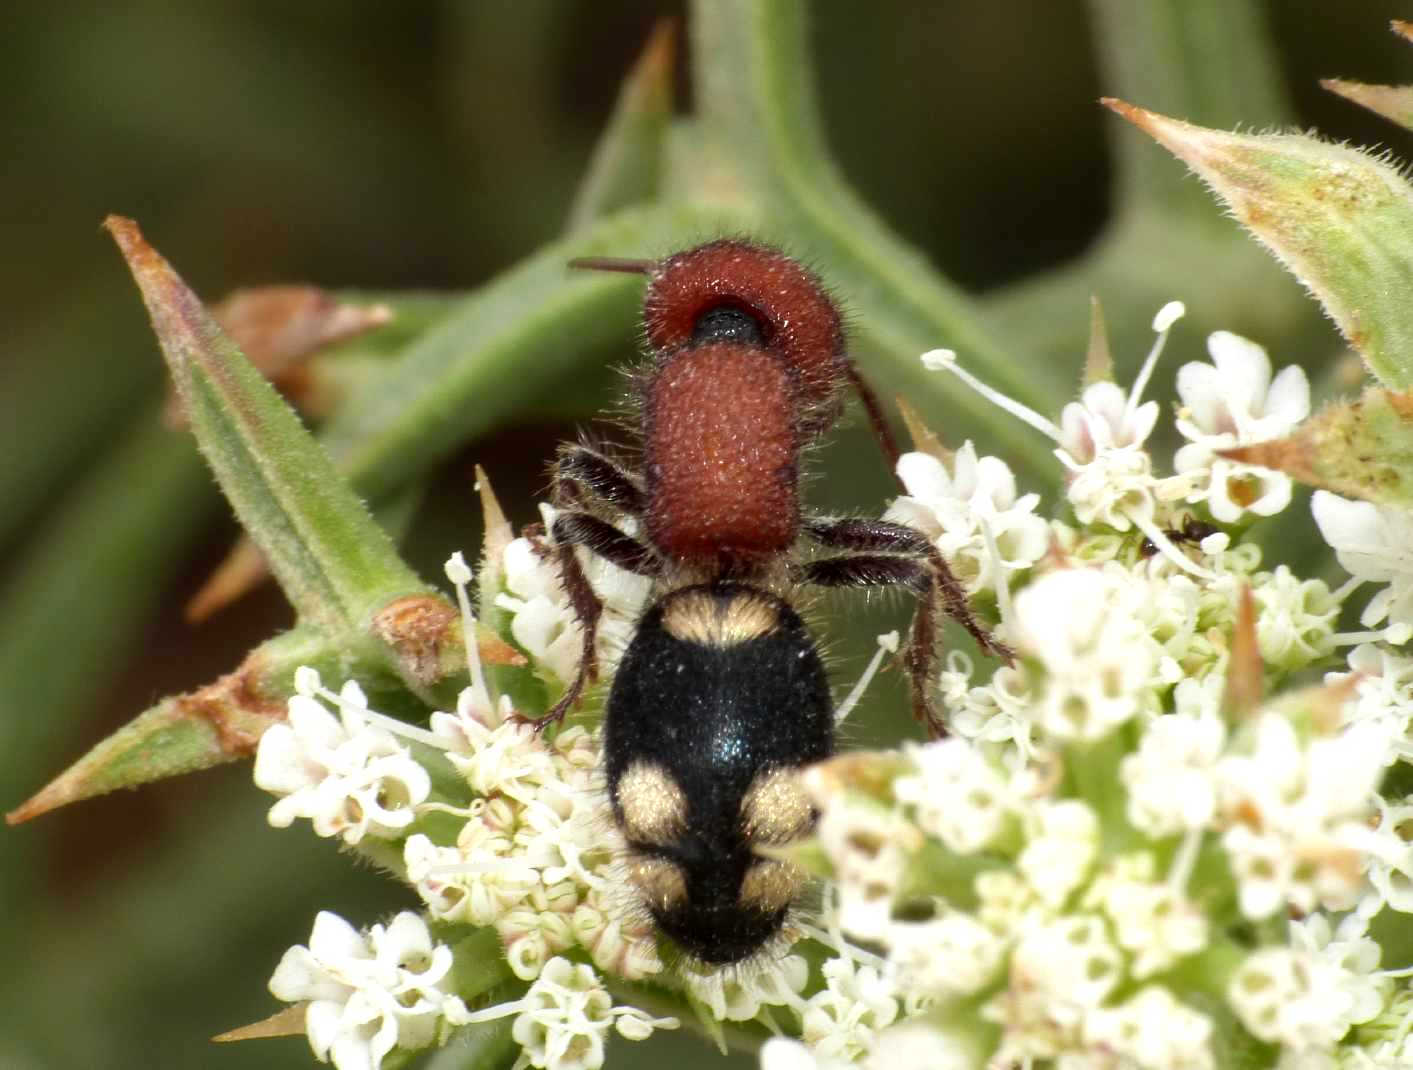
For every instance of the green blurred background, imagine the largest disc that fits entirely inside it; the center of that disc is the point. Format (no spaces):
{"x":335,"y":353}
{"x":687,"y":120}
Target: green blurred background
{"x":381,"y":147}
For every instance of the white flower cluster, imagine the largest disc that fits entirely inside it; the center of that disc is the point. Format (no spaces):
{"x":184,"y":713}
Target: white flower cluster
{"x":349,"y":776}
{"x":563,"y":1021}
{"x":531,"y":855}
{"x":535,"y":856}
{"x":1100,"y":869}
{"x":984,"y":530}
{"x":1101,"y":438}
{"x":541,"y":620}
{"x":368,"y":993}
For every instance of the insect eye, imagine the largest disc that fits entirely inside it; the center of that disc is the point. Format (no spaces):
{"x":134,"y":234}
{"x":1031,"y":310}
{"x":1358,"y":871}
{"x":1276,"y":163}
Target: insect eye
{"x":728,"y":323}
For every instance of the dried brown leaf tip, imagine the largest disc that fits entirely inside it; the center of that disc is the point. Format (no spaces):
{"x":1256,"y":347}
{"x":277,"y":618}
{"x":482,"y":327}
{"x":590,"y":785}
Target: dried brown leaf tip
{"x":498,"y":532}
{"x":1393,"y":102}
{"x":1245,"y":670}
{"x":1098,"y":360}
{"x":924,"y":439}
{"x":279,"y":328}
{"x":424,"y":632}
{"x":286,"y":1023}
{"x":1360,"y":449}
{"x":241,"y":571}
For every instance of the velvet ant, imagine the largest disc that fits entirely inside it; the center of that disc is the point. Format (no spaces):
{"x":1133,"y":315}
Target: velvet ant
{"x":721,"y":696}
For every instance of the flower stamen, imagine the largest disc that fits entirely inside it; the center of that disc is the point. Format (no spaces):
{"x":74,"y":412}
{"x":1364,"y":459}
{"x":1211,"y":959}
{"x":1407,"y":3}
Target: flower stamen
{"x":459,"y":573}
{"x":887,"y":644}
{"x":946,"y":360}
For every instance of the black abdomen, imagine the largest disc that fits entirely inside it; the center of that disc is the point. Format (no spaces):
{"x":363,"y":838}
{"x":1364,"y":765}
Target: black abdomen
{"x":719,"y":699}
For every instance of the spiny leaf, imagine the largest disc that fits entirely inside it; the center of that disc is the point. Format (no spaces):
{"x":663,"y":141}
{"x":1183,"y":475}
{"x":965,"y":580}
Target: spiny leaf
{"x":335,"y":564}
{"x":924,"y":439}
{"x":1098,"y":360}
{"x":1393,"y":102}
{"x":223,"y":721}
{"x":216,"y":724}
{"x":1360,"y":449}
{"x":243,"y":568}
{"x":288,"y":1022}
{"x":1338,"y":219}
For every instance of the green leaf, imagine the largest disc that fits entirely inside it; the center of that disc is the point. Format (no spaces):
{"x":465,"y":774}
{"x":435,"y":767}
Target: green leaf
{"x":335,"y":564}
{"x":1393,"y":102}
{"x":1360,"y":449}
{"x":219,"y":723}
{"x":626,"y":167}
{"x":1340,"y":220}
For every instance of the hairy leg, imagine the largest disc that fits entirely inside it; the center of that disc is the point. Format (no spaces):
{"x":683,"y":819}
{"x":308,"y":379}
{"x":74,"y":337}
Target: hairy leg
{"x":894,"y":555}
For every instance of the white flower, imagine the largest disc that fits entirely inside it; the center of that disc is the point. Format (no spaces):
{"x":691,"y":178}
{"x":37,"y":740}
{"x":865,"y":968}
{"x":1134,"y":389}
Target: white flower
{"x":1297,"y":814}
{"x":1295,"y":620}
{"x":1100,"y":441}
{"x":1234,"y":402}
{"x":1084,"y":625}
{"x":1391,"y":862}
{"x":1061,"y":971}
{"x":368,"y":993}
{"x":1008,"y":905}
{"x":739,"y":994}
{"x":564,"y":1020}
{"x":782,"y":1053}
{"x":1374,"y":543}
{"x":1102,"y":420}
{"x":539,"y":928}
{"x":1170,"y":779}
{"x":1294,"y":997}
{"x":543,"y":620}
{"x":910,"y":1045}
{"x":842,"y":1019}
{"x":953,"y":955}
{"x":994,"y":712}
{"x":967,"y":510}
{"x":1155,"y":1031}
{"x":1348,"y":946}
{"x":918,"y":1045}
{"x":478,"y":881}
{"x":563,"y":833}
{"x":1153,"y":922}
{"x":1064,"y":841}
{"x":958,"y":796}
{"x":622,"y":941}
{"x":1383,"y":695}
{"x":349,"y":777}
{"x":1386,"y":1041}
{"x":868,"y":845}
